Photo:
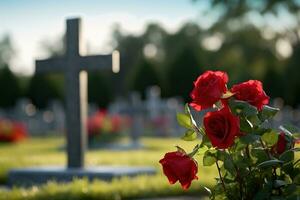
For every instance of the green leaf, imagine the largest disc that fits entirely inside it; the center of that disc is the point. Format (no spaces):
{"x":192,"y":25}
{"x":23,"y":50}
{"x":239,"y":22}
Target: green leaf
{"x":227,"y":95}
{"x":180,"y":149}
{"x":255,"y":121}
{"x":291,"y":128}
{"x":189,"y":135}
{"x":296,"y":179}
{"x":207,"y":189}
{"x":270,"y":163}
{"x":268,"y":112}
{"x":202,"y":150}
{"x":286,"y":130}
{"x":259,"y":155}
{"x":228,"y":165}
{"x":242,"y":108}
{"x":184,"y":120}
{"x":249,"y":138}
{"x":193,"y":124}
{"x":222,"y":155}
{"x":189,"y":114}
{"x":209,"y":158}
{"x":288,"y":155}
{"x":206,"y":141}
{"x":279,"y":183}
{"x":270,"y":138}
{"x":245,"y":125}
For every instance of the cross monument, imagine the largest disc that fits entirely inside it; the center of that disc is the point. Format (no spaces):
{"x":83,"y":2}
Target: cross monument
{"x":74,"y":66}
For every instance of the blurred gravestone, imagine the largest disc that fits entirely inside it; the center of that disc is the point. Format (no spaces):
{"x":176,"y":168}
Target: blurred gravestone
{"x":74,"y":67}
{"x":136,"y":111}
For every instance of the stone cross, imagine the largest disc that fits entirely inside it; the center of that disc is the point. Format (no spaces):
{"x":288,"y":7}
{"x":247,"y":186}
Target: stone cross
{"x":74,"y":67}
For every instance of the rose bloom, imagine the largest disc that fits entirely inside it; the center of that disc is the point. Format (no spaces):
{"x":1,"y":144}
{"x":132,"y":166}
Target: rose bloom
{"x":252,"y":92}
{"x":208,"y":89}
{"x":221,"y":127}
{"x":178,"y":166}
{"x":281,"y":143}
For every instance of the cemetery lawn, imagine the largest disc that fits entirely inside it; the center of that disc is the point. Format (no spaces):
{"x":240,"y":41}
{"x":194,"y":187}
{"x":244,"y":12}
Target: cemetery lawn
{"x":48,"y":151}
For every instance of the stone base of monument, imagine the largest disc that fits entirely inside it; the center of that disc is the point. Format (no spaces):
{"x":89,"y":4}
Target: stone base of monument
{"x":40,"y":175}
{"x":134,"y":145}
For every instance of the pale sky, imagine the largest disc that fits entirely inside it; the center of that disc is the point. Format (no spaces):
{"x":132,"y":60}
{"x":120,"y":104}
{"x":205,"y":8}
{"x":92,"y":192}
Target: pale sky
{"x":29,"y":22}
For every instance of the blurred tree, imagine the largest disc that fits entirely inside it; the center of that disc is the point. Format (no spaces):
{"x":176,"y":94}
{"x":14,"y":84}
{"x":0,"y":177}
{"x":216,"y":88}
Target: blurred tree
{"x":233,"y":13}
{"x":134,"y":50}
{"x":292,"y":83}
{"x":6,"y":51}
{"x":9,"y":87}
{"x":181,"y":74}
{"x":244,"y":54}
{"x":142,"y":76}
{"x":44,"y":88}
{"x":100,"y":89}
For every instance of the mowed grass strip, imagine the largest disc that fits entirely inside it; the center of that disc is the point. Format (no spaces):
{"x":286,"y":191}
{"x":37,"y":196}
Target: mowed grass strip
{"x":49,"y":151}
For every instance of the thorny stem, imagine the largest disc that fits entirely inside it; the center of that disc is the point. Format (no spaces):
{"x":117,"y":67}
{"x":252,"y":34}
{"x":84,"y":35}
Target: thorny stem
{"x":237,"y":176}
{"x":265,"y":148}
{"x":268,"y":153}
{"x":221,"y":178}
{"x":248,"y":155}
{"x":195,"y":150}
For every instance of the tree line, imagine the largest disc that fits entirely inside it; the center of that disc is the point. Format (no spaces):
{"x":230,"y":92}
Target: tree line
{"x":173,"y":60}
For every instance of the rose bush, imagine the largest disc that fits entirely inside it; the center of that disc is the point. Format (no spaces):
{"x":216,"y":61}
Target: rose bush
{"x":254,"y":160}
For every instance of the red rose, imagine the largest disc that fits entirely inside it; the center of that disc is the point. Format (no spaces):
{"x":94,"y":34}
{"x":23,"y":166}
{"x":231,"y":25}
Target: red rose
{"x":221,"y":127}
{"x":179,"y":166}
{"x":209,"y":88}
{"x":252,"y":92}
{"x":281,"y":143}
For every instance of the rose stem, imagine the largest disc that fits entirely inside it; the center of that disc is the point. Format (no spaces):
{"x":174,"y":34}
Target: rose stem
{"x":248,"y":155}
{"x":237,"y":175}
{"x":295,"y":163}
{"x":265,"y":148}
{"x":268,"y":153}
{"x":223,"y":184}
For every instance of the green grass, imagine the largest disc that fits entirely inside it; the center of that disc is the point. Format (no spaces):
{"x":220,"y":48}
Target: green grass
{"x":45,"y":151}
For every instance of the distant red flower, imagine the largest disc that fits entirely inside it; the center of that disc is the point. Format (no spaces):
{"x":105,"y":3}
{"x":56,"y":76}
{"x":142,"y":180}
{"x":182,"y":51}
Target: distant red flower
{"x":221,"y":127}
{"x":252,"y":92}
{"x":11,"y":131}
{"x":208,"y":89}
{"x":116,"y":122}
{"x":95,"y":122}
{"x":178,"y":166}
{"x":102,"y":122}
